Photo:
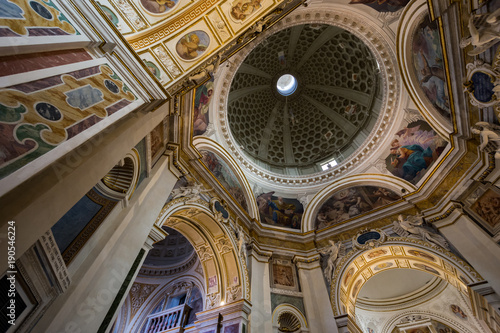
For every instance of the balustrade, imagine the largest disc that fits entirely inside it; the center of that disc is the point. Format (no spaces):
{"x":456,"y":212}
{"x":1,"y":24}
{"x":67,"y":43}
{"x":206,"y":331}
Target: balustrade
{"x":168,"y":319}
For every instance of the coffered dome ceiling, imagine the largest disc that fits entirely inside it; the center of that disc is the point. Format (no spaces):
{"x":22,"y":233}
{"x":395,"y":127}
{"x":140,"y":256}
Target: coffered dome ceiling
{"x":334,"y":106}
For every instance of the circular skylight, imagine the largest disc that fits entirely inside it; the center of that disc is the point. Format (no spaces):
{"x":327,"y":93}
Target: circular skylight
{"x":286,"y":84}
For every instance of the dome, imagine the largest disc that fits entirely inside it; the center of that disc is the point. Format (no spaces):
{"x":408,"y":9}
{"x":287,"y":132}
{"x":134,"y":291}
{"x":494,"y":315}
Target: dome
{"x":304,"y":99}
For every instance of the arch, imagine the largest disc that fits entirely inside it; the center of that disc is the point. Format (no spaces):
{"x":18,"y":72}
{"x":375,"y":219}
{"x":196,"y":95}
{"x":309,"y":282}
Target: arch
{"x":411,"y":17}
{"x":358,"y":266}
{"x":225,"y":272}
{"x":390,"y":182}
{"x":283,"y":308}
{"x":140,"y":318}
{"x":208,"y":144}
{"x":391,"y":323}
{"x":120,"y":182}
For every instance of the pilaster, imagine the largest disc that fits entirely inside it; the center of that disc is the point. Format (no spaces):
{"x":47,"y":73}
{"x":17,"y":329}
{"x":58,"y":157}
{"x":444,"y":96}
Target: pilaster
{"x":315,"y":295}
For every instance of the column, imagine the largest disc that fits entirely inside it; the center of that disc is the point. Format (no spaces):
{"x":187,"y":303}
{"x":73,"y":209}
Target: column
{"x":36,"y":205}
{"x":261,"y":316}
{"x":112,"y":259}
{"x":315,"y":295}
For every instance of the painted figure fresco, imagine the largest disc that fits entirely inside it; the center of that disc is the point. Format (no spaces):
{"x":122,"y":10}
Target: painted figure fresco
{"x":356,"y":288}
{"x":201,"y":117}
{"x":442,"y":328}
{"x":156,"y":140}
{"x":426,"y":268}
{"x":382,"y":266}
{"x":488,"y":207}
{"x":192,"y":45}
{"x":350,"y":202}
{"x":348,"y":276}
{"x":242,"y":9}
{"x":427,"y":58}
{"x":283,"y":275}
{"x":376,"y":253}
{"x":279,"y":211}
{"x":458,"y":311}
{"x":413,"y":150}
{"x":383,"y":5}
{"x":110,"y":15}
{"x":223,"y":173}
{"x":422,"y":254}
{"x":153,"y":69}
{"x":158,"y":6}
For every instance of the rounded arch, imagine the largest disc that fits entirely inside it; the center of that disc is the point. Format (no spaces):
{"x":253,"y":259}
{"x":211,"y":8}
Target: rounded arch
{"x":226,"y":276}
{"x":358,"y":266}
{"x":180,"y":283}
{"x":412,"y":16}
{"x":288,"y":308}
{"x":120,"y":182}
{"x":390,"y":182}
{"x":203,"y":143}
{"x":391,"y":323}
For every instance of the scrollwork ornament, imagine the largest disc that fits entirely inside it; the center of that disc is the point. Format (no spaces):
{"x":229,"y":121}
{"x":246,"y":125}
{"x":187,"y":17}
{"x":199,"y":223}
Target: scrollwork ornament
{"x":233,"y":294}
{"x":379,"y":237}
{"x":212,"y":300}
{"x":482,"y":84}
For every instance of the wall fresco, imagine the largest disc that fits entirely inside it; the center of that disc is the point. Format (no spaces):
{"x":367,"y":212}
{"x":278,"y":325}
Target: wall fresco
{"x":226,"y":177}
{"x":192,"y":45}
{"x":279,"y":211}
{"x":201,"y":116}
{"x":413,"y":151}
{"x":428,"y":65}
{"x":350,"y":202}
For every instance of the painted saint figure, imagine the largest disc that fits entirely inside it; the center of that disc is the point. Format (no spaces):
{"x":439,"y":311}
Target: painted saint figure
{"x":189,"y":47}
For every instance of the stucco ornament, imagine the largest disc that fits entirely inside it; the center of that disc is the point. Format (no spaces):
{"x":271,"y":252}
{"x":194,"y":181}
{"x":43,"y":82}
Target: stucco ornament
{"x":484,"y":32}
{"x":412,"y":226}
{"x":333,"y":252}
{"x":191,"y":192}
{"x":490,"y":137}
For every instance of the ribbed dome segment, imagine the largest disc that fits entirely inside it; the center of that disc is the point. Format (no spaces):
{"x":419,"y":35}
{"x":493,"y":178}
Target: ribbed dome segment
{"x":329,"y":113}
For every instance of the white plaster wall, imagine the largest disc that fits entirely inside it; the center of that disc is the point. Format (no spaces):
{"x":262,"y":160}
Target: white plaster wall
{"x":476,"y":246}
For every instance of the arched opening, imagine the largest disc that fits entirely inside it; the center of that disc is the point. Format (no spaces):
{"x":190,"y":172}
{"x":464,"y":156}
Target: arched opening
{"x":402,"y":279}
{"x":406,"y":300}
{"x":192,"y":275}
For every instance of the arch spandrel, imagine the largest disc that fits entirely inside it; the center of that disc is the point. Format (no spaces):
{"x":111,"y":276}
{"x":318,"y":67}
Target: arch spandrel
{"x":358,"y":266}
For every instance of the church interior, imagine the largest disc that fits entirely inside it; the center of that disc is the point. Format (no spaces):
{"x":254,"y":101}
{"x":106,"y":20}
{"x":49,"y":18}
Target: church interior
{"x":250,"y":166}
